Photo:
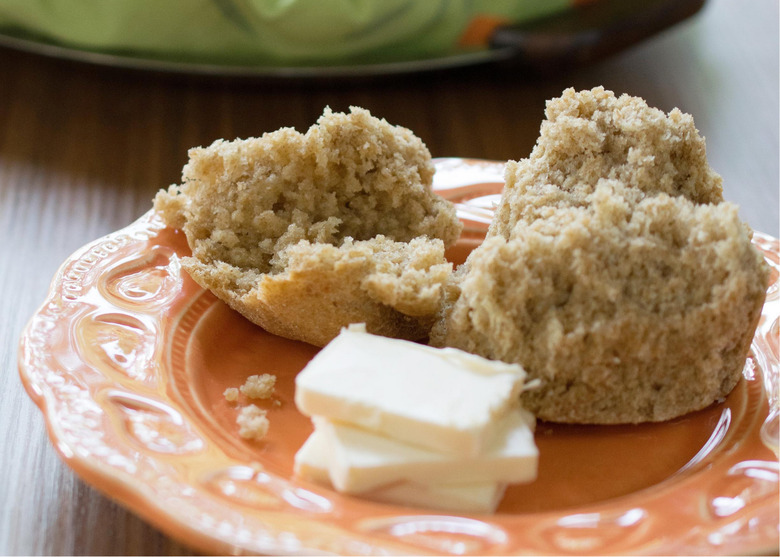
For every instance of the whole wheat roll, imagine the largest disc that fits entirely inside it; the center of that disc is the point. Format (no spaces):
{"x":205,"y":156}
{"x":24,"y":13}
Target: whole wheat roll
{"x":614,"y":272}
{"x":304,"y":233}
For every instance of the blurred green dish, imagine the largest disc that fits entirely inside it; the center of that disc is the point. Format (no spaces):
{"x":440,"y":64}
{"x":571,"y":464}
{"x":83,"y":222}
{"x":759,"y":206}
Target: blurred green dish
{"x":276,"y":33}
{"x":310,"y":38}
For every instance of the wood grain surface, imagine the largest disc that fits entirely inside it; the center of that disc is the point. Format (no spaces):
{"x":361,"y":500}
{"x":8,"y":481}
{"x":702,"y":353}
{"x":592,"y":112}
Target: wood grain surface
{"x":83,"y":149}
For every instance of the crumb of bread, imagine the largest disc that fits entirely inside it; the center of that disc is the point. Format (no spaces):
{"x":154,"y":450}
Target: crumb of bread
{"x":393,"y":287}
{"x":253,"y":422}
{"x":614,"y":272}
{"x":283,"y":220}
{"x":595,"y":136}
{"x":259,"y":386}
{"x":231,"y":394}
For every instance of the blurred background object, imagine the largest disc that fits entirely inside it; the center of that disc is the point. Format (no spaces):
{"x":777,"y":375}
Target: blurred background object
{"x":311,"y":38}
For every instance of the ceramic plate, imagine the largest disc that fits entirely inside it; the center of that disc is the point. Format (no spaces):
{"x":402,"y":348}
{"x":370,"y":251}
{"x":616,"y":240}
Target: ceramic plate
{"x":128,"y":359}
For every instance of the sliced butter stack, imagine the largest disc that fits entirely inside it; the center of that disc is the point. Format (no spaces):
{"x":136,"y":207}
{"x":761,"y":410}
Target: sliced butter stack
{"x":404,"y":423}
{"x":361,"y":460}
{"x":312,"y":463}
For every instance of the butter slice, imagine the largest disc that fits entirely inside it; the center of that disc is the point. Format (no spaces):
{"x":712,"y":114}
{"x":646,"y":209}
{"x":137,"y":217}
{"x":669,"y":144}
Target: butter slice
{"x":311,"y":460}
{"x":311,"y":463}
{"x":443,"y":399}
{"x":361,"y":460}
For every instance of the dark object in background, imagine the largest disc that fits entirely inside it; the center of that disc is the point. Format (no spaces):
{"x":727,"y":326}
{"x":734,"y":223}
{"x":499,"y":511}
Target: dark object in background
{"x":588,"y":33}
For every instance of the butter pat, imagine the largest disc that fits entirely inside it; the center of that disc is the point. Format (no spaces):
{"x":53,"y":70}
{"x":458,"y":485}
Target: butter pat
{"x":360,"y":460}
{"x":312,"y":463}
{"x":398,"y":422}
{"x":444,"y":400}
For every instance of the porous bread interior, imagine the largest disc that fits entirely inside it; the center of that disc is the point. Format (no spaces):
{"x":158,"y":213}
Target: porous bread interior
{"x":591,"y":136}
{"x":350,"y":175}
{"x":613,"y":271}
{"x":306,"y":233}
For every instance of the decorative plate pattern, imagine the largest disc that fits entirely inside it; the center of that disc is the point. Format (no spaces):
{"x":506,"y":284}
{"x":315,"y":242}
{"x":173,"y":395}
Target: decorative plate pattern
{"x":128,"y":359}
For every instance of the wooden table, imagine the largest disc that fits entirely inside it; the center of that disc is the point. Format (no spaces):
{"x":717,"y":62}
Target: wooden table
{"x":83,"y":150}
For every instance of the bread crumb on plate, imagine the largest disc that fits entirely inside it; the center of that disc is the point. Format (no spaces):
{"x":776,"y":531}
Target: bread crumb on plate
{"x":231,"y":394}
{"x":252,"y":422}
{"x":259,"y":386}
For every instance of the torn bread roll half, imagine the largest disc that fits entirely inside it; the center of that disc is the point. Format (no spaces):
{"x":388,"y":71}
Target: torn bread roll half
{"x":613,"y":272}
{"x":306,"y":233}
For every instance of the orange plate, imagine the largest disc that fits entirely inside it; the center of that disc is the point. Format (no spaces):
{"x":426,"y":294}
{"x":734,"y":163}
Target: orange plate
{"x":128,"y":359}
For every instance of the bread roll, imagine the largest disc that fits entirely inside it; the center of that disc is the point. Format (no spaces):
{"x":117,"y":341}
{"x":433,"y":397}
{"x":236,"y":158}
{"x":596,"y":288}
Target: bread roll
{"x":614,"y":273}
{"x":306,"y":233}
